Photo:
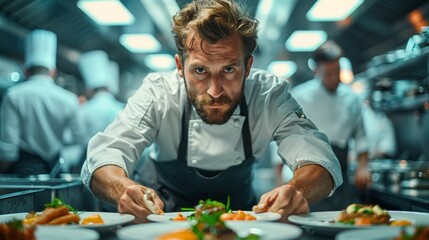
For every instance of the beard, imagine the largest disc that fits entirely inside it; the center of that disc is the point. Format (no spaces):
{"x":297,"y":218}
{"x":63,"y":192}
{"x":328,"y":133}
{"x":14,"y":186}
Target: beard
{"x":210,"y":115}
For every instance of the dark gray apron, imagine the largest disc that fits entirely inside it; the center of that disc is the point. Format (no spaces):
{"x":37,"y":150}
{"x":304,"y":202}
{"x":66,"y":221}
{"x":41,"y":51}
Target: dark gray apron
{"x":30,"y":164}
{"x":180,"y":186}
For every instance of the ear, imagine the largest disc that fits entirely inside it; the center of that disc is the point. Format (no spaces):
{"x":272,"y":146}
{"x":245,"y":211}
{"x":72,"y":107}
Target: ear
{"x":179,"y":65}
{"x":249,"y":65}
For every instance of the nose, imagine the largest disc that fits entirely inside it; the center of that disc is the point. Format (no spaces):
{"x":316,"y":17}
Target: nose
{"x":215,"y":89}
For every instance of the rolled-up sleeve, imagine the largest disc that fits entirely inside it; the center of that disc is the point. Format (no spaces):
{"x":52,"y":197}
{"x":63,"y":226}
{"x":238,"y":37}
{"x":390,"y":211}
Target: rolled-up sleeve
{"x":301,"y":143}
{"x":124,"y":140}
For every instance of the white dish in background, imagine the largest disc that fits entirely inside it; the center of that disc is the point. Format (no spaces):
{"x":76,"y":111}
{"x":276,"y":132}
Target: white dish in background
{"x":269,"y":230}
{"x":111,"y":220}
{"x":321,"y":222}
{"x":66,"y":234}
{"x":166,"y":217}
{"x":381,"y":233}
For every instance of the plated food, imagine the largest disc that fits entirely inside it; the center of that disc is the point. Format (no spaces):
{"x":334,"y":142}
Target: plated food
{"x":212,"y":206}
{"x":386,"y":233}
{"x":332,"y":222}
{"x":364,"y":215}
{"x":57,"y":215}
{"x":205,"y":222}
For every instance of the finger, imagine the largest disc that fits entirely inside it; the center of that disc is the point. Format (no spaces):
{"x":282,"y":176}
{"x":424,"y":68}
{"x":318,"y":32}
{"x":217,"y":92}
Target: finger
{"x":131,"y":202}
{"x":265,"y":202}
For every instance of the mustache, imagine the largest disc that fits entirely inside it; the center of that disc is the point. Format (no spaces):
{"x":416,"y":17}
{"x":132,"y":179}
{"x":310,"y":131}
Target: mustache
{"x":207,"y":99}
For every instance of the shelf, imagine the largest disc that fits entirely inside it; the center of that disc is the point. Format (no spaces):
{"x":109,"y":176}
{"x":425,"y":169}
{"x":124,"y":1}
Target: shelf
{"x":413,"y":68}
{"x":408,"y":104}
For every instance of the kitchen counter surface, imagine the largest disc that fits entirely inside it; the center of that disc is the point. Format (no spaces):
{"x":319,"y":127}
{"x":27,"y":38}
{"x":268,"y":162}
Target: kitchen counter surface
{"x":395,"y":197}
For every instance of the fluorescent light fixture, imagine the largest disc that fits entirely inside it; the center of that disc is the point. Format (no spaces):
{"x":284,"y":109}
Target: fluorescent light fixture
{"x":106,"y":12}
{"x":332,"y":10}
{"x":140,"y":43}
{"x":160,"y":62}
{"x":305,"y":41}
{"x":283,"y":69}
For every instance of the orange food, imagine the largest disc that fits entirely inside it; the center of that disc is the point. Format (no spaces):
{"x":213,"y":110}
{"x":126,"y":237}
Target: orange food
{"x":179,"y":217}
{"x":179,"y":235}
{"x":400,"y":223}
{"x":237,"y":216}
{"x":93,"y":219}
{"x":363,"y":221}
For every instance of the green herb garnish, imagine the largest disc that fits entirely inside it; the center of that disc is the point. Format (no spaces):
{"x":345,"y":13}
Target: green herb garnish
{"x":56,"y":203}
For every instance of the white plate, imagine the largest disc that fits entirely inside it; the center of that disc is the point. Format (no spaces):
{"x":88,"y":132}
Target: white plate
{"x":270,"y":230}
{"x":166,"y":217}
{"x":66,"y":234}
{"x":111,"y":220}
{"x":320,"y":221}
{"x":381,"y":233}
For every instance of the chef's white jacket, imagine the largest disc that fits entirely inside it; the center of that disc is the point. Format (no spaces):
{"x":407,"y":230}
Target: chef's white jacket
{"x":99,"y":112}
{"x":338,"y":114}
{"x":379,"y":132}
{"x":34,"y":115}
{"x":153,"y":115}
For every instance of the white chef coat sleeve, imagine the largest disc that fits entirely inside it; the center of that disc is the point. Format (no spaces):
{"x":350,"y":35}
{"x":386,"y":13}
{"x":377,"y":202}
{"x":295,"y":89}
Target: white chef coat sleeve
{"x":124,"y":140}
{"x":9,"y":129}
{"x":300,"y":142}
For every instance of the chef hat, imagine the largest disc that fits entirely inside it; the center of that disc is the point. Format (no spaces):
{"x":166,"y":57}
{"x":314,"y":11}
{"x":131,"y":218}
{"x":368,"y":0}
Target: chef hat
{"x":94,"y":67}
{"x":114,"y":78}
{"x":40,"y":49}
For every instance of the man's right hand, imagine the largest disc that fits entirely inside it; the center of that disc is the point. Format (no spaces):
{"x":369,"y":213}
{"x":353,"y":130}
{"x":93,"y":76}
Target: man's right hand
{"x":132,"y":202}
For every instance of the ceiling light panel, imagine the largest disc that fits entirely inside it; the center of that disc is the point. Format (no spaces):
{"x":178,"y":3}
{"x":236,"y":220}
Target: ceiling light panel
{"x":140,"y":43}
{"x":106,"y":12}
{"x":332,"y":10}
{"x":160,"y":62}
{"x":283,"y":69}
{"x":305,"y":41}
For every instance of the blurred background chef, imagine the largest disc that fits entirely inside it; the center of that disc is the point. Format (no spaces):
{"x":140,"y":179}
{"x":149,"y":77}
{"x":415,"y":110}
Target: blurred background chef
{"x":101,"y":78}
{"x":336,"y":111}
{"x":36,"y":113}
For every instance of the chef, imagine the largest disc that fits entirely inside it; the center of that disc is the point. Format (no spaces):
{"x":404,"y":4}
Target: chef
{"x":209,"y":121}
{"x":336,"y":111}
{"x":36,"y":113}
{"x":101,"y":78}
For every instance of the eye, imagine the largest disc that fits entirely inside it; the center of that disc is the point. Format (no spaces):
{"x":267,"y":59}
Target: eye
{"x":229,"y":69}
{"x":200,"y":70}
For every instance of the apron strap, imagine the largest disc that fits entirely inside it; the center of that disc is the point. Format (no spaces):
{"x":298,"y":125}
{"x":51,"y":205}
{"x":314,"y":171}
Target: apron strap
{"x":245,"y":131}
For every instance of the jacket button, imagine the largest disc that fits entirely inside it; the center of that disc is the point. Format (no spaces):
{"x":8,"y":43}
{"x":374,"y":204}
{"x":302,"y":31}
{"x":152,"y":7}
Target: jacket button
{"x":196,"y":126}
{"x":194,"y":161}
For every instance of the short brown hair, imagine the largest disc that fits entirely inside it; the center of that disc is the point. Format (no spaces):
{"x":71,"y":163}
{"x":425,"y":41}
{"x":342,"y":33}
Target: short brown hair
{"x":327,"y":52}
{"x":213,"y":20}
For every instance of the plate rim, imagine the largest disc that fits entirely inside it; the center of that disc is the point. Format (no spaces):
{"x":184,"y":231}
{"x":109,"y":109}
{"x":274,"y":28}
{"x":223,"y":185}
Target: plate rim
{"x":155,"y":217}
{"x":300,"y":219}
{"x":126,"y":218}
{"x":123,"y":233}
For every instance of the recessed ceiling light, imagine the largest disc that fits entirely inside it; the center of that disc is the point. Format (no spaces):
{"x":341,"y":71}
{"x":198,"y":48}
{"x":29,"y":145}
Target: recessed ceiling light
{"x":305,"y":41}
{"x":283,"y":69}
{"x":140,"y":43}
{"x":106,"y":12}
{"x":160,"y":62}
{"x":332,"y":10}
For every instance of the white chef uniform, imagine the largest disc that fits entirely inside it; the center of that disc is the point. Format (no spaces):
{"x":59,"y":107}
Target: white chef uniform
{"x":153,"y":115}
{"x":379,"y":132}
{"x":36,"y":113}
{"x":338,"y":114}
{"x":102,"y":108}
